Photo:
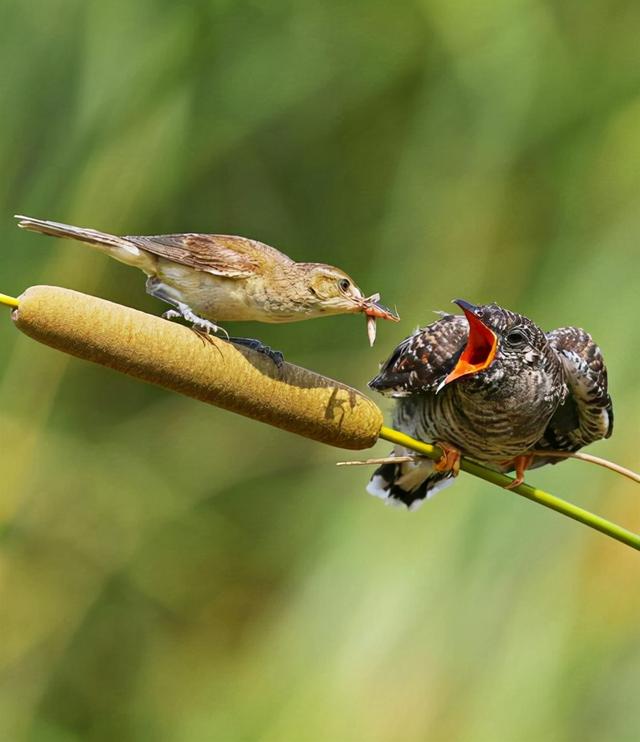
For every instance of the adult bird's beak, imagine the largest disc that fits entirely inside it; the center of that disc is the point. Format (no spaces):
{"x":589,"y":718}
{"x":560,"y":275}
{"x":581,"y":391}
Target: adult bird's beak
{"x":481,"y":346}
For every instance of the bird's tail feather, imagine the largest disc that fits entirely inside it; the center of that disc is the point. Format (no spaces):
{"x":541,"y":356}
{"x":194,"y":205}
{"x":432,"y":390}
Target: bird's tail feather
{"x":117,"y":247}
{"x":408,"y":483}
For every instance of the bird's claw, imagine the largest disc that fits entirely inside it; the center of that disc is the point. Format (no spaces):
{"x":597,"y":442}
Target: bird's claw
{"x":171,"y":314}
{"x":204,"y":326}
{"x":450,"y":459}
{"x":521,"y":464}
{"x":257,"y":345}
{"x":516,"y":483}
{"x":199,"y":325}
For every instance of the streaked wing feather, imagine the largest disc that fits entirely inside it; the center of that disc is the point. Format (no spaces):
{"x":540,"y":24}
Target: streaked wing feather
{"x":421,"y":361}
{"x":221,"y":255}
{"x":587,"y":413}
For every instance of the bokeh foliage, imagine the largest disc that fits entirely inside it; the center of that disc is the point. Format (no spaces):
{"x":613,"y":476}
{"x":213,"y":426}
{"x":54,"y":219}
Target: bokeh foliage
{"x":171,"y":572}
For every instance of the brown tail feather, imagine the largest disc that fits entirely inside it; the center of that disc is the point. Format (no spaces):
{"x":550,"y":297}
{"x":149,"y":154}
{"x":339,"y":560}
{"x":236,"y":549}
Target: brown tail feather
{"x":117,"y":247}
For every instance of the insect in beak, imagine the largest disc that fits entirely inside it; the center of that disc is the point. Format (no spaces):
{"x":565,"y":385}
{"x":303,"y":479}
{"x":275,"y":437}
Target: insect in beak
{"x":374,"y":310}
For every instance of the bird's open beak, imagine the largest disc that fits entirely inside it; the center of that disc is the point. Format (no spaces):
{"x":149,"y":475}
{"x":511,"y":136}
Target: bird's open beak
{"x":481,"y":345}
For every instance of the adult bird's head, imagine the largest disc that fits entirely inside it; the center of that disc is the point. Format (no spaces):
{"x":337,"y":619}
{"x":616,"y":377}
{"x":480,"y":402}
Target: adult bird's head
{"x":499,"y":342}
{"x":328,"y":290}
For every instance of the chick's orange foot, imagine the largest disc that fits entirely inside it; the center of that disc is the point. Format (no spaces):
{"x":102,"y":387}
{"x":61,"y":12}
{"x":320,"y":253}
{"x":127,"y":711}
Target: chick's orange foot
{"x":450,"y":459}
{"x":520,"y":464}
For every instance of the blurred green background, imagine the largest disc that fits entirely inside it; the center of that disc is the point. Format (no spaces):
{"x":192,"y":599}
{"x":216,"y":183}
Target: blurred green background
{"x":169,"y":571}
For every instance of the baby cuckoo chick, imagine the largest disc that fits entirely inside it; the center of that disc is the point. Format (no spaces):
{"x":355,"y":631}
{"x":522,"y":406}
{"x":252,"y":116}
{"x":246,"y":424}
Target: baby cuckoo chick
{"x":491,"y":385}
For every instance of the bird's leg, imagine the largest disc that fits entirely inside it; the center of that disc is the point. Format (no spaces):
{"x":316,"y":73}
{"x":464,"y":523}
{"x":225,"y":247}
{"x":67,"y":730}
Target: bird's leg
{"x":257,"y":345}
{"x":201,"y":326}
{"x":450,"y":459}
{"x":521,"y":464}
{"x":158,"y":290}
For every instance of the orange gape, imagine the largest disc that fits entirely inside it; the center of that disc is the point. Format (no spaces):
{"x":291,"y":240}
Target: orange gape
{"x":479,"y":351}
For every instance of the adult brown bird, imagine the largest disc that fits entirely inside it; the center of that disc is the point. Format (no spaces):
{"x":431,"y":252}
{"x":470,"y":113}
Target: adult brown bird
{"x":211,"y":278}
{"x":493,"y":386}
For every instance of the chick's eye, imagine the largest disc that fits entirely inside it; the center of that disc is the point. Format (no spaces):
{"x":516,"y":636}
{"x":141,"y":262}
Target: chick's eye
{"x":344,"y":284}
{"x":516,"y":337}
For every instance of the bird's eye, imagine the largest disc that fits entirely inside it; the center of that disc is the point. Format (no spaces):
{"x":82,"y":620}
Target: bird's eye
{"x":516,"y":338}
{"x":344,"y":284}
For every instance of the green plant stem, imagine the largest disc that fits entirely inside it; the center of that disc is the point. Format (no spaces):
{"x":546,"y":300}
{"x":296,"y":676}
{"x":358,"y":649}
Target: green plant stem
{"x":531,"y":493}
{"x":8,"y":301}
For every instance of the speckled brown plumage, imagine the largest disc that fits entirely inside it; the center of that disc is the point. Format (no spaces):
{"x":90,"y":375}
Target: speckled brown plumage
{"x":540,"y":391}
{"x":587,"y":414}
{"x":211,"y":278}
{"x":226,"y":278}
